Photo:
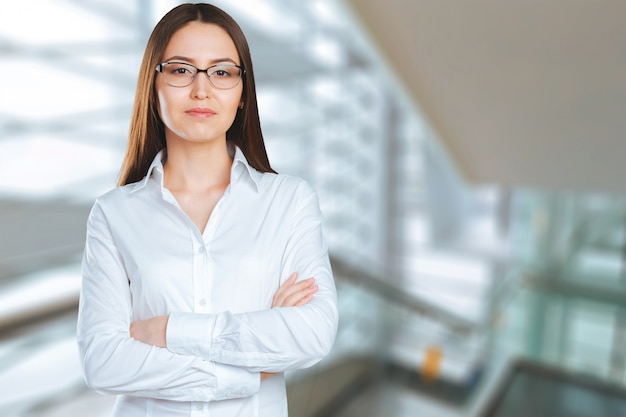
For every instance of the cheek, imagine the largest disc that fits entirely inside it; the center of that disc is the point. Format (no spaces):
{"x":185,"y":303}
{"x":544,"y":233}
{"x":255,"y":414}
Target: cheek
{"x":164,"y":103}
{"x":160,"y":104}
{"x":234,"y":96}
{"x":234,"y":102}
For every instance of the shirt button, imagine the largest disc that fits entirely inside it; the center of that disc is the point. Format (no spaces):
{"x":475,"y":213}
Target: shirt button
{"x":244,"y":392}
{"x":202,"y":302}
{"x":199,"y":406}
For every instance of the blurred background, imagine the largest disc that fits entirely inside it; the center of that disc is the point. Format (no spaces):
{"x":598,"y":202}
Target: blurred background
{"x":468,"y":158}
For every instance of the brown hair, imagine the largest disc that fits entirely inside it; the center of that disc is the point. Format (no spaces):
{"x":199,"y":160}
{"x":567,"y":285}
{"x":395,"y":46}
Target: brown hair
{"x":147,"y":133}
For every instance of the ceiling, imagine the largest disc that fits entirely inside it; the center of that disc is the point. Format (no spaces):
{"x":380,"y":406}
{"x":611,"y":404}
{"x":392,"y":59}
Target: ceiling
{"x":519,"y":93}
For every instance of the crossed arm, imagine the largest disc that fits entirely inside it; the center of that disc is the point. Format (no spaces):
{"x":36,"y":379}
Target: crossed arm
{"x":291,"y":294}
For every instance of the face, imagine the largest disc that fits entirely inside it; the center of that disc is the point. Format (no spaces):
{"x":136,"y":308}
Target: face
{"x":199,"y":112}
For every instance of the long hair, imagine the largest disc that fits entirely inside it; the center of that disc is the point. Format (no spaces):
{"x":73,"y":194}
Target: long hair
{"x":147,"y":133}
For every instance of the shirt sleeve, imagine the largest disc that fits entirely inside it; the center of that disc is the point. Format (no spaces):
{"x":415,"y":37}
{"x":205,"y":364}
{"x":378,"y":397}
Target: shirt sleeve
{"x":279,"y":339}
{"x":115,"y":363}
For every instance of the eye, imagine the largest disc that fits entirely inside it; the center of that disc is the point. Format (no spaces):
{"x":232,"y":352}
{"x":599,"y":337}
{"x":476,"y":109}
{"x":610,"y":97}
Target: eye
{"x":223,"y":72}
{"x":178,"y":69}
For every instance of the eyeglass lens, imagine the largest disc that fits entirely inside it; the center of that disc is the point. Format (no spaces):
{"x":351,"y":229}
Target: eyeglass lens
{"x":178,"y":74}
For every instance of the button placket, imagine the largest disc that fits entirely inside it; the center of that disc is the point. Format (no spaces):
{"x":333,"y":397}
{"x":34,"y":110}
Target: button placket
{"x":199,"y":272}
{"x":205,"y":281}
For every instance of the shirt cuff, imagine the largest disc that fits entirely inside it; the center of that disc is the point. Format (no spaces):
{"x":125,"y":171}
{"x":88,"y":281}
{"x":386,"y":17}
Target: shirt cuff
{"x":233,"y":382}
{"x":190,"y":334}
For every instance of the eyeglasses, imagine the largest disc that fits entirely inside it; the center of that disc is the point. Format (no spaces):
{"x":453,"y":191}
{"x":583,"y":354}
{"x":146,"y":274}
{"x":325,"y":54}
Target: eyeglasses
{"x":222,"y":76}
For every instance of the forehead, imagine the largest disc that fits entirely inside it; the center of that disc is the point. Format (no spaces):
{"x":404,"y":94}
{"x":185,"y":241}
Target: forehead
{"x":201,"y":42}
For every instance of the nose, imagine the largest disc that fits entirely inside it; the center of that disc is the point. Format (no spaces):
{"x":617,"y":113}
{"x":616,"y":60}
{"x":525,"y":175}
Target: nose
{"x":201,"y":85}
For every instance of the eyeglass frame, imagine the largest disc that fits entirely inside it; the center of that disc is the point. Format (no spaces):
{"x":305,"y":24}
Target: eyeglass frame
{"x":159,"y":68}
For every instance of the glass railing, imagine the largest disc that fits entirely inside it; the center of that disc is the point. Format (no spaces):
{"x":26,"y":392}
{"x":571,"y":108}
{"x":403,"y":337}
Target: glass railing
{"x":568,"y":309}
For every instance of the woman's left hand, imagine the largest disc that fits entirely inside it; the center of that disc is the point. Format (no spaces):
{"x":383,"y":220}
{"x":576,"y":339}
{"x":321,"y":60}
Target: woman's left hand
{"x":150,"y":331}
{"x":295,"y":294}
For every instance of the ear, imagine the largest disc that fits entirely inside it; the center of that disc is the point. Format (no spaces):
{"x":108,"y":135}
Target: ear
{"x":241,"y":105}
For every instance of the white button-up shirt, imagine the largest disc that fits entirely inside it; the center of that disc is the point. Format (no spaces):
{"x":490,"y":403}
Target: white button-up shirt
{"x":144,"y":257}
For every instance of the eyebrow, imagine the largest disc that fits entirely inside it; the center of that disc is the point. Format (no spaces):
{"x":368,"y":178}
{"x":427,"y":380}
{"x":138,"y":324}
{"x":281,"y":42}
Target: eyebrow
{"x":191,"y":60}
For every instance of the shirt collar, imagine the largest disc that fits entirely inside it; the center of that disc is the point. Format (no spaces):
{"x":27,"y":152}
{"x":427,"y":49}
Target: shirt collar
{"x":157,"y":167}
{"x":239,"y":167}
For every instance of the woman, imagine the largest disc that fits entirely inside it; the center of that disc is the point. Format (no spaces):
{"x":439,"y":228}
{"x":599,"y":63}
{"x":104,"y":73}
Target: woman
{"x":192,"y":300}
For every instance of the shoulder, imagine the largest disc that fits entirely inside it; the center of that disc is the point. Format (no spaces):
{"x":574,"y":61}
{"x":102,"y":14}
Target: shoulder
{"x":292,"y":194}
{"x":113,"y":208}
{"x":113,"y":198}
{"x":115,"y":195}
{"x":285,"y":184}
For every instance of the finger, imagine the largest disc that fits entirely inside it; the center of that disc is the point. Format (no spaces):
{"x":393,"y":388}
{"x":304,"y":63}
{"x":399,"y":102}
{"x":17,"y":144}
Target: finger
{"x":298,"y":297}
{"x":299,"y":286}
{"x":288,"y":289}
{"x":305,"y":300}
{"x":292,"y":278}
{"x":279,"y":295}
{"x":290,"y":281}
{"x":288,"y":292}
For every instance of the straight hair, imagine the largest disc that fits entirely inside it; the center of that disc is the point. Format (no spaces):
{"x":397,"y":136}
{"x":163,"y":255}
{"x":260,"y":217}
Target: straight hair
{"x":147,"y":132}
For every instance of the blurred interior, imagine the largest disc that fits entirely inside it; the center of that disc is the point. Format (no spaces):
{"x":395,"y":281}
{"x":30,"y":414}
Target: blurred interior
{"x":468,"y":158}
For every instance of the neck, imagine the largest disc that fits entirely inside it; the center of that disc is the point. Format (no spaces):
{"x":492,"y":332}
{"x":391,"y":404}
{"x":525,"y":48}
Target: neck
{"x":197,"y":166}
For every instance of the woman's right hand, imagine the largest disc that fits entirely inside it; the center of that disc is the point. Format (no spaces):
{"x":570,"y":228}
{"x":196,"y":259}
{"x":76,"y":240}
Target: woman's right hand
{"x":292,"y":294}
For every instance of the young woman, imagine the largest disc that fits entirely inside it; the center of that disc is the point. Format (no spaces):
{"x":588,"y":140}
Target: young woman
{"x":194,"y":298}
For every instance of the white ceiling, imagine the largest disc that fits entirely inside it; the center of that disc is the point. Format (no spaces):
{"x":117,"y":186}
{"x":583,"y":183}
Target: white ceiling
{"x":523,"y":93}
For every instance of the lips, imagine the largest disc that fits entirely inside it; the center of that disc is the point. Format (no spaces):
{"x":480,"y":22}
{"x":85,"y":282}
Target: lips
{"x":199,"y":112}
